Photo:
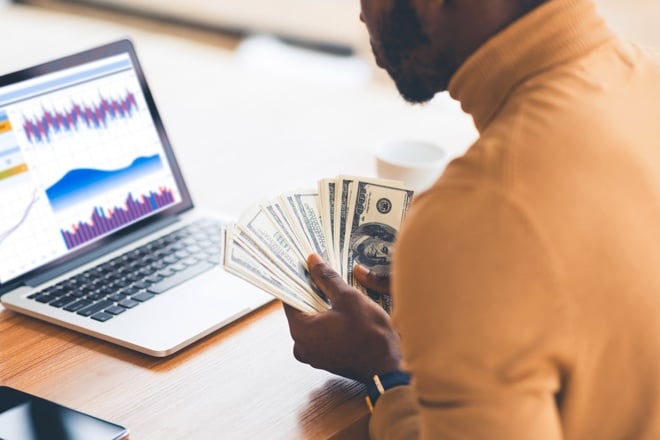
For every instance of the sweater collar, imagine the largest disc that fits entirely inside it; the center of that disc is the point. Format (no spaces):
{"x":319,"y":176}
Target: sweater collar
{"x":551,"y":34}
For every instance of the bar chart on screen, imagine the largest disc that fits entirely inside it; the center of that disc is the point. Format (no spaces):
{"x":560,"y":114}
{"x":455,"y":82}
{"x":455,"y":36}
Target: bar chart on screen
{"x":102,"y":222}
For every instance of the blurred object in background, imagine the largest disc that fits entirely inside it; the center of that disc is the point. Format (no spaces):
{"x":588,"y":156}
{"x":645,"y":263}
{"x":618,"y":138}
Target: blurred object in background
{"x":272,"y":56}
{"x":329,"y":25}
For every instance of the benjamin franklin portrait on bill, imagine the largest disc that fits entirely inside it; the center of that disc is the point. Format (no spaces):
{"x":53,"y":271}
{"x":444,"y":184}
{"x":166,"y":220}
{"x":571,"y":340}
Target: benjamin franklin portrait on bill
{"x":372,"y":244}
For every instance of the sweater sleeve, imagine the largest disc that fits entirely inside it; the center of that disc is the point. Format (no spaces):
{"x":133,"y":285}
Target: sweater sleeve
{"x":482,"y":320}
{"x":397,"y":404}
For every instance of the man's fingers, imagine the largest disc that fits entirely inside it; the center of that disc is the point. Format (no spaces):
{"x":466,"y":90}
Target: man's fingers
{"x":375,"y":281}
{"x":292,"y":314}
{"x":298,"y":354}
{"x":325,"y":277}
{"x":297,"y":320}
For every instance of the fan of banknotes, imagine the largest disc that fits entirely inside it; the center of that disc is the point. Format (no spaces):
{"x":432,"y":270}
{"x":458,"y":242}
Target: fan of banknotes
{"x":346,"y":220}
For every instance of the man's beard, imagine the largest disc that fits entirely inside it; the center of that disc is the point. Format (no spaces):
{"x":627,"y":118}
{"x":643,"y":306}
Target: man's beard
{"x":401,"y":37}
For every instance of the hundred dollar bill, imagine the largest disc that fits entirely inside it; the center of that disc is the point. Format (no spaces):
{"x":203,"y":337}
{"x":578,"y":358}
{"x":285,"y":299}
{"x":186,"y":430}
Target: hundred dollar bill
{"x":327,"y":209}
{"x":274,"y":243}
{"x":376,"y":210}
{"x":304,"y":287}
{"x":343,"y":188}
{"x":296,"y":276}
{"x":343,"y":215}
{"x":275,"y":212}
{"x":302,"y":207}
{"x":239,"y":261}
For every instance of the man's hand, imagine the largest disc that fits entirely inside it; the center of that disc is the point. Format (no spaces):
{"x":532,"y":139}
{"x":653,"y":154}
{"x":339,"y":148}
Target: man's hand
{"x":354,"y":339}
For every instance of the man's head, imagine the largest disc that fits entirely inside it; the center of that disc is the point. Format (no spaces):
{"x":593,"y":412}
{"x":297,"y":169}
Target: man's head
{"x":421,"y":43}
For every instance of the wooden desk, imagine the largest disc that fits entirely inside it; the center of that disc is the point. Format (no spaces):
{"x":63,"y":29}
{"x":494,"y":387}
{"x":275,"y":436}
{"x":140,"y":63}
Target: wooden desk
{"x":240,"y":383}
{"x":241,"y":133}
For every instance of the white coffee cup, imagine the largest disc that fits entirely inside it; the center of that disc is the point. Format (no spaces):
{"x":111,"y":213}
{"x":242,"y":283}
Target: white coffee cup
{"x":417,"y":164}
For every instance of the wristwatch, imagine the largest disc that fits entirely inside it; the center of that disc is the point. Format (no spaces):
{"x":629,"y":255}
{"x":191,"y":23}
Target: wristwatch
{"x":380,"y":383}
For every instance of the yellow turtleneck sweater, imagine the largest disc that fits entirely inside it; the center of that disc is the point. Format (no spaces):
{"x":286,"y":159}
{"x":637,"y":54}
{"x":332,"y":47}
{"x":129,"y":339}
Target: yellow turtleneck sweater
{"x":527,"y":280}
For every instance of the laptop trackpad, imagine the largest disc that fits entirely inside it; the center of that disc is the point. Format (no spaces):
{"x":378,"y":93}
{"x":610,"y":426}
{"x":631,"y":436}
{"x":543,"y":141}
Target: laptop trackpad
{"x":197,"y":307}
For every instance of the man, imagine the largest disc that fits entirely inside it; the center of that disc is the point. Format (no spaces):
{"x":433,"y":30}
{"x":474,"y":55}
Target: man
{"x":525,"y":282}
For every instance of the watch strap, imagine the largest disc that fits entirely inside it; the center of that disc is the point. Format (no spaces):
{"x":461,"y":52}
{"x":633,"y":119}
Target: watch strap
{"x":380,"y":383}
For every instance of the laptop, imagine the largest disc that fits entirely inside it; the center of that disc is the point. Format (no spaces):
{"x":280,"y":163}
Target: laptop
{"x":98,"y":232}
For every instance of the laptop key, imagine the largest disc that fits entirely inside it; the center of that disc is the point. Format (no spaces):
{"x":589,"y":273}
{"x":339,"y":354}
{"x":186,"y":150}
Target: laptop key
{"x":74,"y":307}
{"x":128,"y":303}
{"x":147,"y":270}
{"x":154,"y":278}
{"x":115,"y":310}
{"x":102,"y":316}
{"x":194,"y":249}
{"x":180,"y":277}
{"x":182,"y":254}
{"x":128,"y":291}
{"x":58,"y":293}
{"x":96,"y":296}
{"x":142,"y":296}
{"x":167,"y":272}
{"x":179,"y":267}
{"x":116,"y":297}
{"x":90,"y":288}
{"x":44,"y":298}
{"x":158,"y":265}
{"x":190,"y":261}
{"x":142,"y":284}
{"x":61,"y":302}
{"x":96,"y":307}
{"x":206,"y":243}
{"x":123,"y":282}
{"x":171,"y":259}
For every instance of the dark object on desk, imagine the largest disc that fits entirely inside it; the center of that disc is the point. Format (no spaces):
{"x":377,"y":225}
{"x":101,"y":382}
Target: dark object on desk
{"x":27,"y":417}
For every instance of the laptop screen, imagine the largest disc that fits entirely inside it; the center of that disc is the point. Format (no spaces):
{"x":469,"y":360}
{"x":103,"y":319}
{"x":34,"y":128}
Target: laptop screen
{"x":83,"y":156}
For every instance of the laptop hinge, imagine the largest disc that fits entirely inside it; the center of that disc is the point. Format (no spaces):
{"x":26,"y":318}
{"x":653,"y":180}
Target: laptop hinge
{"x":44,"y":277}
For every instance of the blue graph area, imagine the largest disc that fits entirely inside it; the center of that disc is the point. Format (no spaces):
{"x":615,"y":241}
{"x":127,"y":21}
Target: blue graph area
{"x":82,"y":185}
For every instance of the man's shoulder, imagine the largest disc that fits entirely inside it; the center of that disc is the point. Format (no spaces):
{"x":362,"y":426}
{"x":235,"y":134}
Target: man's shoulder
{"x":614,"y":78}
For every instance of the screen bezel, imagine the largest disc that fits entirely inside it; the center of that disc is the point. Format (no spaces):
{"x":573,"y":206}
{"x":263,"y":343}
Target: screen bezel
{"x":123,"y":46}
{"x":13,"y":397}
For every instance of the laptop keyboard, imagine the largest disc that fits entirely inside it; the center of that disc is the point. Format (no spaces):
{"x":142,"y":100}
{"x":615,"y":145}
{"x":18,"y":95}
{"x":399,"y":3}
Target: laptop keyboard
{"x":127,"y":281}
